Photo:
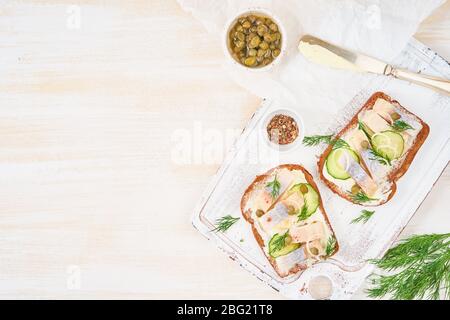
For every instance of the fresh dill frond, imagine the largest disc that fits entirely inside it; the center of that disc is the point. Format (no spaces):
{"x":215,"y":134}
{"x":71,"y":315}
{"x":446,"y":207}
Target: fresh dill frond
{"x":275,"y":185}
{"x":303,"y":215}
{"x":339,"y":143}
{"x":331,"y":246}
{"x":280,"y":242}
{"x":360,"y":197}
{"x":423,"y":262}
{"x":224,"y":223}
{"x":400,"y":125}
{"x":378,"y":157}
{"x":311,"y":141}
{"x":364,"y":217}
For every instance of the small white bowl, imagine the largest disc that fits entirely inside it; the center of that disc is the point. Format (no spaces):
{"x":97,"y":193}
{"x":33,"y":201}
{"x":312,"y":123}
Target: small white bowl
{"x":256,"y":11}
{"x":301,"y":130}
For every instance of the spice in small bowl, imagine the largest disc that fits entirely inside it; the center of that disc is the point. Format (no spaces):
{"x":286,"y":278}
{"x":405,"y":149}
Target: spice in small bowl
{"x":282,"y":129}
{"x":254,"y":39}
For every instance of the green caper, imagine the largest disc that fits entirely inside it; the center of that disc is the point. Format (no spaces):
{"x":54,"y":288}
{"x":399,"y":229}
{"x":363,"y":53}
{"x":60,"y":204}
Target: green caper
{"x":254,"y":42}
{"x":259,"y":213}
{"x":250,"y":61}
{"x":355,"y":189}
{"x":252,"y":52}
{"x":239,"y":44}
{"x":239,"y":28}
{"x":268,"y":37}
{"x":395,"y":116}
{"x":272,"y":46}
{"x":264,"y":45}
{"x":240,"y":36}
{"x":273,"y":27}
{"x":246,"y":24}
{"x":365,"y":144}
{"x":276,"y":53}
{"x":303,"y":189}
{"x":291,"y":210}
{"x":261,"y":30}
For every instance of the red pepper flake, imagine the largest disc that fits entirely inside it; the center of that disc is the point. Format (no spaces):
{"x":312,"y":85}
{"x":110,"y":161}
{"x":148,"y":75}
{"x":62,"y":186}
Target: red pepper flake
{"x":282,"y":129}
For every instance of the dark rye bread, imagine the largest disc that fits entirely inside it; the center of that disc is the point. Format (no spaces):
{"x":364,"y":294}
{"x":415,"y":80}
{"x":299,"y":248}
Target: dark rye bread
{"x":262,"y":180}
{"x":399,"y":170}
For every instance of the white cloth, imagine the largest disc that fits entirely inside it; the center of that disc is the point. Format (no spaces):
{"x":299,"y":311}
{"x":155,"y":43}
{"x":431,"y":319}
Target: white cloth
{"x":379,"y":28}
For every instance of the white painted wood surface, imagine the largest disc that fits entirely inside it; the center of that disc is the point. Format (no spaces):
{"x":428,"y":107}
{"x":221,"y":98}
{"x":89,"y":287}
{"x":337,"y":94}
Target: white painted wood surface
{"x":88,"y":107}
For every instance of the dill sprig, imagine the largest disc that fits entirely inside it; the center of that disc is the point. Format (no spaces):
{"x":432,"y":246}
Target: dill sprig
{"x":331,"y":246}
{"x":275,"y":185}
{"x":303,"y":215}
{"x":364,"y":217}
{"x":378,"y":157}
{"x":339,"y":143}
{"x":280,"y":242}
{"x":360,"y":197}
{"x":224,"y":223}
{"x":311,"y":141}
{"x":424,"y":261}
{"x":400,"y":125}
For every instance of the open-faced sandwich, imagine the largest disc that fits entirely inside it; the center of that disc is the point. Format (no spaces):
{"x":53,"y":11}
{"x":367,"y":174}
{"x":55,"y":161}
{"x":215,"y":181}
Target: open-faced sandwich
{"x":373,"y":151}
{"x":288,"y":220}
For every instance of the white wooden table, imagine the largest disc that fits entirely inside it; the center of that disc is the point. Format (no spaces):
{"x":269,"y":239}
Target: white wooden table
{"x":92,"y":204}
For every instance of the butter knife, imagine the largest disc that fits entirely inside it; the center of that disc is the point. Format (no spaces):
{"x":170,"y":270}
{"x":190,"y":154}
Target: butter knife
{"x":324,"y":53}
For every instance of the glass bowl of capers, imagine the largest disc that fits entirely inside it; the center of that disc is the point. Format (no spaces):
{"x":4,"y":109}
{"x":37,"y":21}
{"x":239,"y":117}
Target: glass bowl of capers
{"x":254,"y":39}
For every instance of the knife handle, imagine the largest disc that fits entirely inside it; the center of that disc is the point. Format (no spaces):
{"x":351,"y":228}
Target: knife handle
{"x":435,"y":83}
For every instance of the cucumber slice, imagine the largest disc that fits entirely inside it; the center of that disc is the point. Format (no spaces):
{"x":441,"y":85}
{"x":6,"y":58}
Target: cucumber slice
{"x":334,"y":167}
{"x":388,"y":144}
{"x":283,"y":251}
{"x":311,"y":197}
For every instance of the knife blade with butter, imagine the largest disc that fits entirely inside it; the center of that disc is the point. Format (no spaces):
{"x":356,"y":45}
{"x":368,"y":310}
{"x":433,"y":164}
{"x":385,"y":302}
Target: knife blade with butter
{"x":322,"y":52}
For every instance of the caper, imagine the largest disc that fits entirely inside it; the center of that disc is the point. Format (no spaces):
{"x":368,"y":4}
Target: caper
{"x":240,"y":36}
{"x":259,"y":213}
{"x":277,"y":36}
{"x":365,"y":144}
{"x":288,"y":240}
{"x":276,"y":53}
{"x":304,"y":188}
{"x":266,"y":61}
{"x":252,"y":52}
{"x":273,"y":27}
{"x":252,"y":18}
{"x":239,"y":28}
{"x":264,"y":45}
{"x":239,"y":44}
{"x":246,"y":24}
{"x":268,"y":53}
{"x":314,"y":251}
{"x":395,"y":116}
{"x":259,"y":22}
{"x":261,"y":29}
{"x":272,"y":46}
{"x":254,"y":42}
{"x":268,"y":37}
{"x":355,"y":189}
{"x":253,"y":29}
{"x":261,"y":52}
{"x":291,"y":210}
{"x":251,"y":35}
{"x":250,"y":61}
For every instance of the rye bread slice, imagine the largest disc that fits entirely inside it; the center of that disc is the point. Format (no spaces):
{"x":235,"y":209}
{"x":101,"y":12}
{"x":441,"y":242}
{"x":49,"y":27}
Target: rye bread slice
{"x":398,"y":171}
{"x":262,"y":180}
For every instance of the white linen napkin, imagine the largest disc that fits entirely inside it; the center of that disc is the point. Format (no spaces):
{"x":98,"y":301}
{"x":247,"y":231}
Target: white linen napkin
{"x":379,"y":28}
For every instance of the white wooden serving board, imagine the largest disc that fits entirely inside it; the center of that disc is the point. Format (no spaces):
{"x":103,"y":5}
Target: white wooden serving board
{"x":347,"y":270}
